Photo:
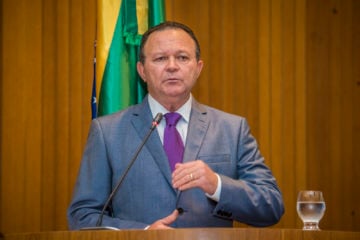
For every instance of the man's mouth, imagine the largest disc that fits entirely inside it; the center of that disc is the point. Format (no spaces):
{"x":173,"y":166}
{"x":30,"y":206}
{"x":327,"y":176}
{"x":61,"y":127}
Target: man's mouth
{"x":172,"y":80}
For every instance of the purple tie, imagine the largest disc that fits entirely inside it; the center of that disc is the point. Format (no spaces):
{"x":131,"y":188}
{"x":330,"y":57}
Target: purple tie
{"x":173,"y":144}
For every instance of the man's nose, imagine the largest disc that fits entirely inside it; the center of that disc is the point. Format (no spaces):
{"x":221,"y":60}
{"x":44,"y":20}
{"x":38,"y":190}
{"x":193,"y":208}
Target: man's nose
{"x":172,"y":64}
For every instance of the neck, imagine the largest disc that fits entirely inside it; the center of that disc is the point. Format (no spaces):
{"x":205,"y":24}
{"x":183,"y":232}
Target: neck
{"x":173,"y":104}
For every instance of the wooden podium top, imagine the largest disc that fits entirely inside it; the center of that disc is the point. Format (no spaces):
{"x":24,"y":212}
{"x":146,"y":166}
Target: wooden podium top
{"x":190,"y":234}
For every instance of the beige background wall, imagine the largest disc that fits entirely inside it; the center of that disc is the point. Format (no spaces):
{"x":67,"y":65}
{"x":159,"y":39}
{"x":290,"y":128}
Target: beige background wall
{"x":291,"y":67}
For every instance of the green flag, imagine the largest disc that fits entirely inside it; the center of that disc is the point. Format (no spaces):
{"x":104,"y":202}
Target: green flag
{"x":120,"y":26}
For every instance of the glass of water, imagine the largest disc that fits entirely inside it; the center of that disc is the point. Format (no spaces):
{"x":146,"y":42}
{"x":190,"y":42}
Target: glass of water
{"x":310,"y":207}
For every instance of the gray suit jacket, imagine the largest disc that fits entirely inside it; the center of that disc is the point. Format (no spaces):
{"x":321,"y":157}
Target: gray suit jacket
{"x":223,"y":141}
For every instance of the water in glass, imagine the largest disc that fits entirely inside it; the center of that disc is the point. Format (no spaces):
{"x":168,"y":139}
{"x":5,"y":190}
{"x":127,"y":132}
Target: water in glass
{"x":310,"y":208}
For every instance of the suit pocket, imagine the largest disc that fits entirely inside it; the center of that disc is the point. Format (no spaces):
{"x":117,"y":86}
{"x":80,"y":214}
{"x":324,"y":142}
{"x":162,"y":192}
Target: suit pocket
{"x":219,"y":163}
{"x":216,"y":158}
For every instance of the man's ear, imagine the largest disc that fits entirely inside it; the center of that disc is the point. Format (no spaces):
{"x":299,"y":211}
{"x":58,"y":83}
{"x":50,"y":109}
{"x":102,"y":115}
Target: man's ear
{"x":200,"y":65}
{"x":140,"y":69}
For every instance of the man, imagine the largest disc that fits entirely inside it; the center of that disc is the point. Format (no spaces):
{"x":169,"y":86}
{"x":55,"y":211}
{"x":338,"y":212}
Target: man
{"x":221,"y":177}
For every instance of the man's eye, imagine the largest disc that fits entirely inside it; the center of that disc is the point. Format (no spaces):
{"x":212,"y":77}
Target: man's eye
{"x":160,"y":59}
{"x":183,"y":58}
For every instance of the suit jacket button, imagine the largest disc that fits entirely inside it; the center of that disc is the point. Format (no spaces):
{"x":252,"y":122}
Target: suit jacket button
{"x":180,"y":210}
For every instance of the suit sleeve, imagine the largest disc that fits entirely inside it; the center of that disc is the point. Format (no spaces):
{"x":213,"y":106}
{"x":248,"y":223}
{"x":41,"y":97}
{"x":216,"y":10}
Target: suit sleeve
{"x":253,"y":197}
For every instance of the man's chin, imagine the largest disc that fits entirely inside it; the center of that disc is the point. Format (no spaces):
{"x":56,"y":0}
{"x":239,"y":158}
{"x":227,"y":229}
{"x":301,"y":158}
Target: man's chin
{"x":175,"y":91}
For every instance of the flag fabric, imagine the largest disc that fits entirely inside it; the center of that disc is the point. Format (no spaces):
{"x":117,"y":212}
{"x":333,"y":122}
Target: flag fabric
{"x":120,"y":25}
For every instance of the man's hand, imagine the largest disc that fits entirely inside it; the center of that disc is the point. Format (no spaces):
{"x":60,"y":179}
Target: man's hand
{"x":194,"y":174}
{"x":165,"y":222}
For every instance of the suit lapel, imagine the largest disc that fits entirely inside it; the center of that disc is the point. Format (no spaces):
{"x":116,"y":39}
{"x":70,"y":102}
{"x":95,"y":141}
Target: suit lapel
{"x":198,"y":126}
{"x":141,"y":121}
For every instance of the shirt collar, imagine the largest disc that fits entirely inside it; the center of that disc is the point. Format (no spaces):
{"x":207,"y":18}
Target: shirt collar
{"x":184,"y":110}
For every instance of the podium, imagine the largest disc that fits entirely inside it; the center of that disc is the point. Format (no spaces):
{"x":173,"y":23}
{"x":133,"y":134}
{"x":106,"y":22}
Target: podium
{"x":190,"y":234}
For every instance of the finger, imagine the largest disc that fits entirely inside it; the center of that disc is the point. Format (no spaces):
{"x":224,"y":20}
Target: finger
{"x":165,"y":222}
{"x":158,"y":225}
{"x":171,"y":218}
{"x":179,"y":171}
{"x":184,"y":171}
{"x":190,"y":183}
{"x":207,"y":183}
{"x":183,"y":179}
{"x":189,"y":176}
{"x":180,"y":167}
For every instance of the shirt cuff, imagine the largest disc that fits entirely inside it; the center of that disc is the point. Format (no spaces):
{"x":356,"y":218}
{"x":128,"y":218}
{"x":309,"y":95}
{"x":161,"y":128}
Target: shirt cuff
{"x":216,"y":195}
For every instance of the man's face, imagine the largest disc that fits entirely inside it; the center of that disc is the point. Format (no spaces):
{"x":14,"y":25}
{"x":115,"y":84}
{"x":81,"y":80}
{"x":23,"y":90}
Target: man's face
{"x":170,"y":68}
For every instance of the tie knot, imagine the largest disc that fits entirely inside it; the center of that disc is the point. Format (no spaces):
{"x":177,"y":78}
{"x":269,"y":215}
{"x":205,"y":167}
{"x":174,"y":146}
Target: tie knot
{"x":172,"y":118}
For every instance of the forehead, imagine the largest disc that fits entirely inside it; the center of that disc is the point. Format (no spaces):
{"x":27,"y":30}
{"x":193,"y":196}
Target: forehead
{"x":169,"y":39}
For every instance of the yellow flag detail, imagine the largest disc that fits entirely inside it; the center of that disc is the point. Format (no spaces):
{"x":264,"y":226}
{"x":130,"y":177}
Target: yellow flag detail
{"x":107,"y":15}
{"x":142,"y":9}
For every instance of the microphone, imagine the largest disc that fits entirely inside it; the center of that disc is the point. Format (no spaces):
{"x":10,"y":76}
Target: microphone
{"x":154,"y":124}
